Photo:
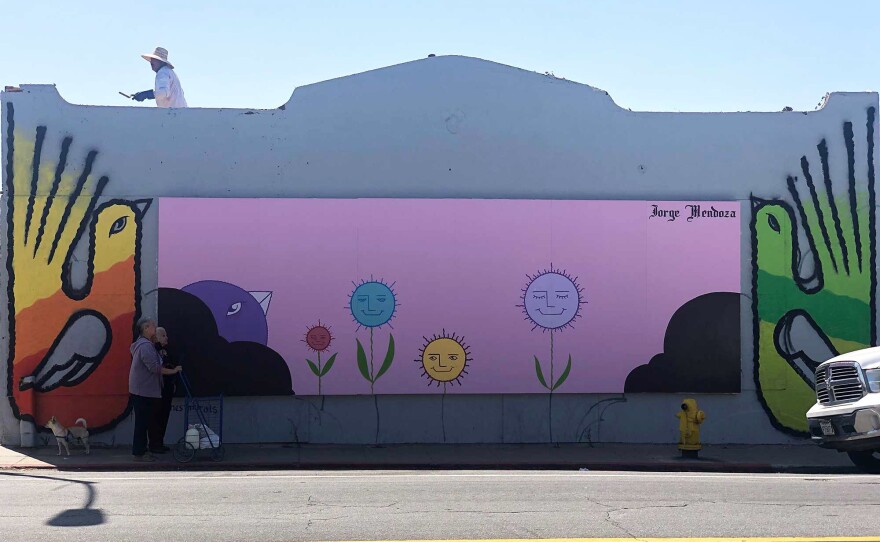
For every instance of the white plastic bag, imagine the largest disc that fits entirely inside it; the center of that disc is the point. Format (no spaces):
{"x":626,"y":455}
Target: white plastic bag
{"x":209,"y":439}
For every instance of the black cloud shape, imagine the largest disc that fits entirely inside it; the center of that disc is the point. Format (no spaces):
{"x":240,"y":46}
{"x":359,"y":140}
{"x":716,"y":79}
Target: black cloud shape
{"x":701,"y":350}
{"x":212,"y":364}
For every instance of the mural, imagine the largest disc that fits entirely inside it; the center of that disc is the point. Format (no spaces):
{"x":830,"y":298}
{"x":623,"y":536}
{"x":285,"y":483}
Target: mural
{"x":240,"y":315}
{"x":318,"y":339}
{"x":701,"y":350}
{"x":552,"y":301}
{"x":260,"y":301}
{"x":444,"y":360}
{"x":814,"y":268}
{"x":215,"y":365}
{"x":373,"y":304}
{"x":642,"y":269}
{"x":74,"y":267}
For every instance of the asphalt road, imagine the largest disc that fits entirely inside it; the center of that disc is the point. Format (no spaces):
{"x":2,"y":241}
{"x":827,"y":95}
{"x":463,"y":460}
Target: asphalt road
{"x":268,"y":506}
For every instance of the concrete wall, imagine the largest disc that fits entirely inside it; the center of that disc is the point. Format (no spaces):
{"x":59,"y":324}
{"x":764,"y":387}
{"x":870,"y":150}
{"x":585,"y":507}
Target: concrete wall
{"x":455,"y":127}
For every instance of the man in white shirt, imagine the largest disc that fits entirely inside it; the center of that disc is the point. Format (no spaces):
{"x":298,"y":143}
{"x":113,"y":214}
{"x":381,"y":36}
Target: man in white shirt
{"x":167,"y":90}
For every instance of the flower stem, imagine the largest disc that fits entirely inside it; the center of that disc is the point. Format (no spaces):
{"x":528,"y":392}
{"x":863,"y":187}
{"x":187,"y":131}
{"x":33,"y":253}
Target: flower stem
{"x":550,"y":409}
{"x":443,"y":411}
{"x":551,"y":361}
{"x":372,"y":382}
{"x":376,"y":404}
{"x":319,"y":373}
{"x":372,"y":371}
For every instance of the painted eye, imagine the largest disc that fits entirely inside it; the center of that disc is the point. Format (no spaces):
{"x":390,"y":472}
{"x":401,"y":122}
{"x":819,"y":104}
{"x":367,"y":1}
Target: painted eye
{"x":118,"y":226}
{"x":362,"y":298}
{"x":434,"y":357}
{"x":233,"y":309}
{"x":453,"y":357}
{"x":381,"y":298}
{"x":561,"y":296}
{"x":539,"y":296}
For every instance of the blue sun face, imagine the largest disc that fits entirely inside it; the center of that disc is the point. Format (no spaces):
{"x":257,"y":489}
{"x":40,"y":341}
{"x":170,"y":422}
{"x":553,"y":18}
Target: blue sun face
{"x":552,"y":300}
{"x":373,"y":303}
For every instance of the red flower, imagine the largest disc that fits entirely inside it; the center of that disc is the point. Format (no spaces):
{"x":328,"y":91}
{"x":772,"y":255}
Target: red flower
{"x":318,"y":337}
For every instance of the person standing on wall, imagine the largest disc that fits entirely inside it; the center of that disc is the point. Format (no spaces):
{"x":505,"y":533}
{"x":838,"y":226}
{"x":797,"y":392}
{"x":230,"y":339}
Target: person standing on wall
{"x":167,"y":90}
{"x":145,"y":386}
{"x":162,"y":407}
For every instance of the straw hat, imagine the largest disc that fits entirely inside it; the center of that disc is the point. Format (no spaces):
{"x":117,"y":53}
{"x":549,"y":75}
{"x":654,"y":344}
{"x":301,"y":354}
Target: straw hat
{"x":159,"y":54}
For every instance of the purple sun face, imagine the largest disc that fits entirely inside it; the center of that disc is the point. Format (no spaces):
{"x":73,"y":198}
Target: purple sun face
{"x":240,"y":314}
{"x":552,"y":300}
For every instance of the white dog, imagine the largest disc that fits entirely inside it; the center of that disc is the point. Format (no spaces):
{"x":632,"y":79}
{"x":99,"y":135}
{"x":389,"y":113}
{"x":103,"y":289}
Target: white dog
{"x":62,"y":434}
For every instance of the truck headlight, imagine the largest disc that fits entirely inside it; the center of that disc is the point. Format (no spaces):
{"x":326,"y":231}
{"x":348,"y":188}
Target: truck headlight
{"x":873,"y":378}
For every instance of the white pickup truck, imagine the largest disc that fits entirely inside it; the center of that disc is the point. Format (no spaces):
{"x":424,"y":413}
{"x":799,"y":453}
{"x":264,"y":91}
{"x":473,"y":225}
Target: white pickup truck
{"x":846,"y":416}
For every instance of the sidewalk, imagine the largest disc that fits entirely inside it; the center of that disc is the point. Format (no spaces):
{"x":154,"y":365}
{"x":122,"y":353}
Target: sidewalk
{"x":804,"y":458}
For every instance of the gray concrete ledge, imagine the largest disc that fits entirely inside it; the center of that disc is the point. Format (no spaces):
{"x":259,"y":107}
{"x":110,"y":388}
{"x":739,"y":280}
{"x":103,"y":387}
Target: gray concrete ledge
{"x":646,"y":457}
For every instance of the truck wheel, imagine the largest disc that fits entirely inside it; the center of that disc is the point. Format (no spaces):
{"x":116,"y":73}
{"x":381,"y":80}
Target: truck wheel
{"x":866,"y":461}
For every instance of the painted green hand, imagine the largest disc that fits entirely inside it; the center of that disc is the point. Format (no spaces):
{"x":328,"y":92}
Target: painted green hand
{"x":814,"y":279}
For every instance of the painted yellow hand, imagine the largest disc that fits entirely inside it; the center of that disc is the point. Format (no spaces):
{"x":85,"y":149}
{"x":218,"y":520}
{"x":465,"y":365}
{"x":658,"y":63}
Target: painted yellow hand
{"x":51,"y":204}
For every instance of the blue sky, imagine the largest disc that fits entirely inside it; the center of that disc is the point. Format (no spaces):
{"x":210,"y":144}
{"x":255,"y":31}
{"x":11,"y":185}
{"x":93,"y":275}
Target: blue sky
{"x":649,"y":55}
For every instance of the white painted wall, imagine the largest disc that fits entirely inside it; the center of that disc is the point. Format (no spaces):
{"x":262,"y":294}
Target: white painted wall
{"x":449,"y":127}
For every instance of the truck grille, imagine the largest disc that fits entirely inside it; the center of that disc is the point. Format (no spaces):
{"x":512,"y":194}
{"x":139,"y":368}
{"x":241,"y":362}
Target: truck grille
{"x":839,"y":383}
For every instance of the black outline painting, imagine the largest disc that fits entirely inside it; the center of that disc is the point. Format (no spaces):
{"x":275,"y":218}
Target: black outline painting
{"x":814,"y":282}
{"x":93,"y":321}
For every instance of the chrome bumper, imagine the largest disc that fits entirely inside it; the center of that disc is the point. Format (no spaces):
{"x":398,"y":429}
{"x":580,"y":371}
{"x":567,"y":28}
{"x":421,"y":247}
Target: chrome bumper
{"x":855,"y":431}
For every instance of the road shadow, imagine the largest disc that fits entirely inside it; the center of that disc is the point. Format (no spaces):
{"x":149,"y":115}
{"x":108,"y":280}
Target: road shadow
{"x":85,"y":516}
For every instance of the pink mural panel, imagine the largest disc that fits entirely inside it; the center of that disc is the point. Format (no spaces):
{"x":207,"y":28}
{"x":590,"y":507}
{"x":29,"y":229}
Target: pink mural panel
{"x":508,"y":280}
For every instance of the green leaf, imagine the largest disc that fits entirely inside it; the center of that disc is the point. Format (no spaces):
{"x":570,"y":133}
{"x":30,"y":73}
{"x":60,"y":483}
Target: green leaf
{"x":314,"y":367}
{"x":540,"y":373}
{"x":362,"y":362}
{"x":389,"y":357}
{"x":564,"y":374}
{"x":329,"y":364}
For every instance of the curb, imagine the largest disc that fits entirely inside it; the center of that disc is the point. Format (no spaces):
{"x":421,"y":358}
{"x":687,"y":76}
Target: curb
{"x":736,"y":468}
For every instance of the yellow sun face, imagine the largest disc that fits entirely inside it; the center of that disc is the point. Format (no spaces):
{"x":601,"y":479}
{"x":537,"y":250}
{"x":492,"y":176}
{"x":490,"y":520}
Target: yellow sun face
{"x":444,"y":359}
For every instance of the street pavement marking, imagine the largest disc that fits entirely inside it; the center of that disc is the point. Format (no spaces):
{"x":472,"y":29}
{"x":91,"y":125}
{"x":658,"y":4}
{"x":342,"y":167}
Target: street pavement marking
{"x":643,"y":539}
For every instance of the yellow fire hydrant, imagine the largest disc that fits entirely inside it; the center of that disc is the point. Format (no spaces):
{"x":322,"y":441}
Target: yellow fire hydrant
{"x":689,"y":420}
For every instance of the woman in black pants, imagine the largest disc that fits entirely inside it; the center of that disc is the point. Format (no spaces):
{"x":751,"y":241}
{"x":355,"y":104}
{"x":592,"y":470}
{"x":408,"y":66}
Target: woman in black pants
{"x":145,"y":386}
{"x":162,"y":407}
